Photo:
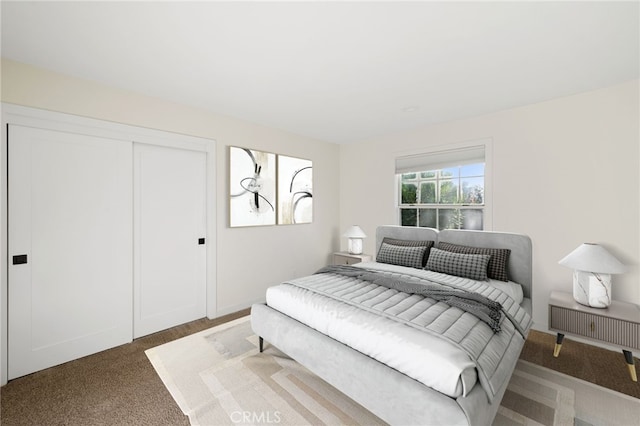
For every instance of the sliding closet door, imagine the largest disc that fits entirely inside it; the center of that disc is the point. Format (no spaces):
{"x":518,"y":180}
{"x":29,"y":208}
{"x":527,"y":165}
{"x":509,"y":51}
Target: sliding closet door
{"x":70,"y":246}
{"x":170,"y":244}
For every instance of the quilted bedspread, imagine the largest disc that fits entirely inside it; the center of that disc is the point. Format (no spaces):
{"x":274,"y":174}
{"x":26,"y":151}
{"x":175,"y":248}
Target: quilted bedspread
{"x":493,"y":354}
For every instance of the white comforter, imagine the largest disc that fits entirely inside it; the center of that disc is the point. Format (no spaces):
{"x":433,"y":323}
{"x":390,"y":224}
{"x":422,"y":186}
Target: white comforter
{"x":428,"y":358}
{"x":406,"y":349}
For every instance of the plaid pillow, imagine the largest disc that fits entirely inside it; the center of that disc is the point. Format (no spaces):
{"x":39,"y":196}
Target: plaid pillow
{"x":472,"y":266}
{"x":410,"y":243}
{"x":497,"y":268}
{"x":401,"y":255}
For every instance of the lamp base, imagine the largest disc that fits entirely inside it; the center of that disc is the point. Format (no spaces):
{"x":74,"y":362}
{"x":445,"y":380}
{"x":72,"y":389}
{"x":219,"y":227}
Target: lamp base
{"x":592,"y":289}
{"x":355,"y":245}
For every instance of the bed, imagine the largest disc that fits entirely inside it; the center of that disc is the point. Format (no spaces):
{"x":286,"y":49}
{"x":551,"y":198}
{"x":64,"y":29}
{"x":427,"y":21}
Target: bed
{"x":413,"y":345}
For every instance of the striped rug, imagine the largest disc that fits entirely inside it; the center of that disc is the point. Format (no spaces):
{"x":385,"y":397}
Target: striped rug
{"x":218,"y":377}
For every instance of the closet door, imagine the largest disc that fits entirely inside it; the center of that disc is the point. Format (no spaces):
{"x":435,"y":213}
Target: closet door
{"x":70,"y":246}
{"x":170,"y":245}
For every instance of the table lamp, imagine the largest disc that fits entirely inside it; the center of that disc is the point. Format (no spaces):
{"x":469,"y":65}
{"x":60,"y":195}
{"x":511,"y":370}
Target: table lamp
{"x":355,"y":234}
{"x":593,"y":266}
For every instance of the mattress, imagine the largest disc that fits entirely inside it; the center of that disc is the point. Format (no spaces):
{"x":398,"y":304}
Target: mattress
{"x":442,"y":347}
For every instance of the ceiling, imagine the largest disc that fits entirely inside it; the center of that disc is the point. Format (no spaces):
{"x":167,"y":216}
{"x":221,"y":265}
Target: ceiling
{"x":334,"y":71}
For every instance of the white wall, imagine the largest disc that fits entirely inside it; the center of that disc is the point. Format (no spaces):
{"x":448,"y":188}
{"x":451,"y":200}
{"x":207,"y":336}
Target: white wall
{"x":248,"y":259}
{"x":564,"y":172}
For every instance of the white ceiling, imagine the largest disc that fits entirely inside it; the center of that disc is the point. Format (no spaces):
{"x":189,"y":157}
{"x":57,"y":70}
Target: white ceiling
{"x":334,"y":71}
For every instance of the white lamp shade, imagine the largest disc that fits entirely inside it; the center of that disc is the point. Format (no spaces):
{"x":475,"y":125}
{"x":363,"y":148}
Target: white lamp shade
{"x":354,"y":232}
{"x":593,"y":258}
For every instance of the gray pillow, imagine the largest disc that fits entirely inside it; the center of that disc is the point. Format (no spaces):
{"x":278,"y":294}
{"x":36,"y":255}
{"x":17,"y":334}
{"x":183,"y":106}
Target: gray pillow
{"x":401,"y":255}
{"x":472,"y":266}
{"x":411,"y":243}
{"x":497,"y":267}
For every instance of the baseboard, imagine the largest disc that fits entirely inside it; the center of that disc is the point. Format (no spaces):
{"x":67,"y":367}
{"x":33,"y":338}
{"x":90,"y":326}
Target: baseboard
{"x":236,"y":308}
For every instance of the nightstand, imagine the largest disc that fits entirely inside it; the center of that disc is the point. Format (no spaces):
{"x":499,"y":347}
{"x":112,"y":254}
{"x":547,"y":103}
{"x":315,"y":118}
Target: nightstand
{"x":346,"y":258}
{"x":619,"y":324}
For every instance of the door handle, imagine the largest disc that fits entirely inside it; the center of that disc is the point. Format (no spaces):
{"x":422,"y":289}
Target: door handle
{"x":20,"y":259}
{"x":200,"y":241}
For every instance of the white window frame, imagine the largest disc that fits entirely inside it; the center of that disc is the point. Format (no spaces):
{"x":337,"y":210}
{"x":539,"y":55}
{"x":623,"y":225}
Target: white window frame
{"x":447,"y":150}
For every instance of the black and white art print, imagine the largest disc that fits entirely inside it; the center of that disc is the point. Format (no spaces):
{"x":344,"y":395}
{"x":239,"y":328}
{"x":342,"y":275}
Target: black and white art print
{"x":295,"y":190}
{"x":252,"y":187}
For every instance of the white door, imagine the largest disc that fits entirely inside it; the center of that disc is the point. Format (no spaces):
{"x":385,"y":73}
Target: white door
{"x":170,"y":244}
{"x":70,"y":246}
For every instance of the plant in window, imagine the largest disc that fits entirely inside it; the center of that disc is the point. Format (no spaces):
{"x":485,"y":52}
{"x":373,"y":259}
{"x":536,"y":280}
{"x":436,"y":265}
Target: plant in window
{"x":449,"y":198}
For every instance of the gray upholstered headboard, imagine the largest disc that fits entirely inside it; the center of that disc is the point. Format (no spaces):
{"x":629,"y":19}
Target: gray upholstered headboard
{"x":520,"y":265}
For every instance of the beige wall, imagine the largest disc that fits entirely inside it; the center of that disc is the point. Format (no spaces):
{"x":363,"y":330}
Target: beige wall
{"x":564,"y":172}
{"x":248,"y":259}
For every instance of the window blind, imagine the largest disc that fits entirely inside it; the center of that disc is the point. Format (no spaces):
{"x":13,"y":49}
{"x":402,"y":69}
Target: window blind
{"x":438,"y":160}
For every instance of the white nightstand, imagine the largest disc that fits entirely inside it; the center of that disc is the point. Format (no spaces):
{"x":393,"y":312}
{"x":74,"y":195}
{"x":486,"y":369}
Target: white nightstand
{"x":345,"y":258}
{"x":619,"y":324}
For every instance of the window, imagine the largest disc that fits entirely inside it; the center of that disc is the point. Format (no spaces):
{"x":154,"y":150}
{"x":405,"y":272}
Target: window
{"x":442,"y":190}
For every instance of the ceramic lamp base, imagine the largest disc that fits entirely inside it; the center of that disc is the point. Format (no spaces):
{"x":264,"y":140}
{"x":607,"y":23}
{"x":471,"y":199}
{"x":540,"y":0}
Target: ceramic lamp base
{"x":592,"y":289}
{"x":355,"y":245}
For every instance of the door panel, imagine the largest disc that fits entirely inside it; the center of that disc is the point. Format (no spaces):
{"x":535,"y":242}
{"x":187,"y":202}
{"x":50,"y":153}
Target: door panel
{"x":169,"y":220}
{"x":69,"y":212}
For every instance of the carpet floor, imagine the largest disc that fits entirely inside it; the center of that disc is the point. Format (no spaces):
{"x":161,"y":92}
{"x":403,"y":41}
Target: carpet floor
{"x":590,"y":363}
{"x":120,"y":386}
{"x":114,"y":387}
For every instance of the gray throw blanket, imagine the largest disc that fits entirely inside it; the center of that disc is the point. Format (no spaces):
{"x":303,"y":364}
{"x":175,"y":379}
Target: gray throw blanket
{"x":486,"y":310}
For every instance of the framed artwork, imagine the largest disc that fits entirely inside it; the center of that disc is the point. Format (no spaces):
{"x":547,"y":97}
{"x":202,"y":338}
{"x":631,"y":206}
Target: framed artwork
{"x":295,"y":190}
{"x":252,"y":187}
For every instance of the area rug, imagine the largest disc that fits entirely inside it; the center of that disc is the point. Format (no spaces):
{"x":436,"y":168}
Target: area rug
{"x":218,"y":377}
